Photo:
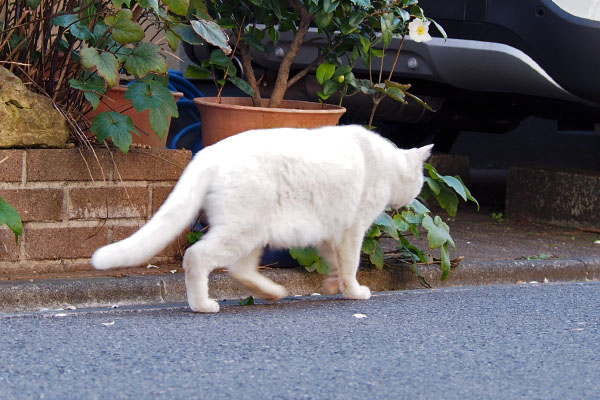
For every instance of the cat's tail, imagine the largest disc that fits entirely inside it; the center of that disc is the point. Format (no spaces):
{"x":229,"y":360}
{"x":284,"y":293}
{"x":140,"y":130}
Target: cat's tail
{"x":178,"y":212}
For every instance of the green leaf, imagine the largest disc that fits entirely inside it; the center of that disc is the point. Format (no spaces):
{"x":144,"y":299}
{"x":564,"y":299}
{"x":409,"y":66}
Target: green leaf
{"x":305,"y":255}
{"x":194,"y":236}
{"x":321,"y":267}
{"x":421,"y":102}
{"x":248,"y":301}
{"x":376,"y":257}
{"x":448,"y":200}
{"x":330,"y":87}
{"x":388,"y":225}
{"x":144,"y":59}
{"x":10,"y":217}
{"x":124,"y":30}
{"x":418,"y":207}
{"x":116,"y":126}
{"x":468,"y":192}
{"x":445,"y":258}
{"x":369,"y":245}
{"x":93,"y":87}
{"x":438,"y":232}
{"x":362,"y":3}
{"x":219,"y":59}
{"x":420,"y":277}
{"x":212,"y":33}
{"x":401,"y":223}
{"x":196,"y":72}
{"x":188,"y":34}
{"x":158,"y":99}
{"x":173,"y":40}
{"x":178,"y":6}
{"x":242,"y":85}
{"x":322,"y":19}
{"x":387,"y":28}
{"x":433,"y":184}
{"x":65,"y":20}
{"x":106,"y":64}
{"x":324,"y":72}
{"x":356,"y":18}
{"x":439,"y":28}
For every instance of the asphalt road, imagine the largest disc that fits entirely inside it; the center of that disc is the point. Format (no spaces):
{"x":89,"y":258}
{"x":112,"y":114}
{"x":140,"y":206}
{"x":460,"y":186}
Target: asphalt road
{"x":497,"y":342}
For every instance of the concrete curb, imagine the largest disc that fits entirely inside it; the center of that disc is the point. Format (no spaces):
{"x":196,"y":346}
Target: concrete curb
{"x":164,"y":289}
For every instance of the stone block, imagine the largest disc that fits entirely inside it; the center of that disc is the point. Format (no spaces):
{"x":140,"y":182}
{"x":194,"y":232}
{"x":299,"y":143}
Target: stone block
{"x":569,"y":198}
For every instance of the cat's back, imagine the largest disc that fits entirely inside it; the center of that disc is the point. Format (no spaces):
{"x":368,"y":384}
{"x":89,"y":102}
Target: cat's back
{"x":328,"y":143}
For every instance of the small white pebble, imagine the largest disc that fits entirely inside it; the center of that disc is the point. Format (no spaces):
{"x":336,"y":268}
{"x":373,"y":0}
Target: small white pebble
{"x":315,"y":294}
{"x":597,"y":242}
{"x":71,"y":308}
{"x":111,"y":323}
{"x":359,"y":316}
{"x":546,"y":280}
{"x":60,"y":315}
{"x":151,"y":266}
{"x":173,"y":271}
{"x":534,"y":282}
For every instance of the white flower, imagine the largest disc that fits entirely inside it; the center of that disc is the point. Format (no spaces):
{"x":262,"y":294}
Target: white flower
{"x":418,"y":30}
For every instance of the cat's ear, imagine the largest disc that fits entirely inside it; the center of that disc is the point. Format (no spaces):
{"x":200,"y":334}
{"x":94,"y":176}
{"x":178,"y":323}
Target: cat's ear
{"x":425,"y":152}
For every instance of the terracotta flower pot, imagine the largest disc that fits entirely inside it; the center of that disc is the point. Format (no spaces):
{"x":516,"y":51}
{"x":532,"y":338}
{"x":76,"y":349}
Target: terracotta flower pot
{"x":116,"y":98}
{"x":236,"y":114}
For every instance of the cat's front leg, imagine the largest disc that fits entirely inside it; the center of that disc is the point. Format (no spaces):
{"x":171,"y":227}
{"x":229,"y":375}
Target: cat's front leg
{"x":196,"y":281}
{"x":349,"y":259}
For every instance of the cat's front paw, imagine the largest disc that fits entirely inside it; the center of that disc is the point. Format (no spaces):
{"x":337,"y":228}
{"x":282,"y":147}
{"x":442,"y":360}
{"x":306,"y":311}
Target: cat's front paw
{"x":206,"y":306}
{"x":358,"y":293}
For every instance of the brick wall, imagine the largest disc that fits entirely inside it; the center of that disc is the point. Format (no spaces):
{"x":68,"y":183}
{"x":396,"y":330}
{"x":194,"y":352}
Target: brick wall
{"x":73,"y":201}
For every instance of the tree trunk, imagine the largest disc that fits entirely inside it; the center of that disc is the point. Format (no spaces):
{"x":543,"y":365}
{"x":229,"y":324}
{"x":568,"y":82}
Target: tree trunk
{"x":281,"y":83}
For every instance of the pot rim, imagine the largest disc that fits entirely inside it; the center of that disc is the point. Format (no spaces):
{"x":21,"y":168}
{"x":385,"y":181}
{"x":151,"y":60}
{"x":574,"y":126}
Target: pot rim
{"x":331,"y":108}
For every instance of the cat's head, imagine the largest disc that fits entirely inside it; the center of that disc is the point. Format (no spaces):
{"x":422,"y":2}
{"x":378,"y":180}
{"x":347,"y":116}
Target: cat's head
{"x":410,"y":178}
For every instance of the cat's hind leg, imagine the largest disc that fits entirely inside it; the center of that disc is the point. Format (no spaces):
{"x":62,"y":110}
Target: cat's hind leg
{"x":200,"y":259}
{"x":245,"y":272}
{"x":349,"y":259}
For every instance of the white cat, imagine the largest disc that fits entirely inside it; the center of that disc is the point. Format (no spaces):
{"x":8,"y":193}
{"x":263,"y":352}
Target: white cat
{"x":279,"y":187}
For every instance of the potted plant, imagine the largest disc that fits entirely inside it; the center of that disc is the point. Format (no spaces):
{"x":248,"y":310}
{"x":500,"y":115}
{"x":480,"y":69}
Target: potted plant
{"x":75,"y":51}
{"x":356,"y":31}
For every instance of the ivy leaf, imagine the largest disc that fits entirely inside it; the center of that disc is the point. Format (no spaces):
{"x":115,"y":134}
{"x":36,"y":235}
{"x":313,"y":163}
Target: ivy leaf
{"x":212,"y":33}
{"x":194,"y":236}
{"x":116,"y":126}
{"x":144,"y":59}
{"x":92,"y":87}
{"x":158,"y":99}
{"x":445,"y":258}
{"x":438,"y":232}
{"x":418,"y":207}
{"x":248,"y":301}
{"x":369,"y":245}
{"x":105,"y":64}
{"x":376,"y":257}
{"x":448,"y":200}
{"x":124,"y":30}
{"x":310,"y":259}
{"x":10,"y":217}
{"x":388,"y":225}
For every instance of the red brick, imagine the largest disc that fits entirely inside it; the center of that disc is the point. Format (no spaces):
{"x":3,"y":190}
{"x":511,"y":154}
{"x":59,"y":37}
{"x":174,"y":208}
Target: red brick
{"x":11,"y":169}
{"x":36,"y":204}
{"x":61,"y":243}
{"x":174,"y":249}
{"x":108,"y":202}
{"x":151,"y":165}
{"x":9,"y":249}
{"x":159,"y":195}
{"x":68,"y":165}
